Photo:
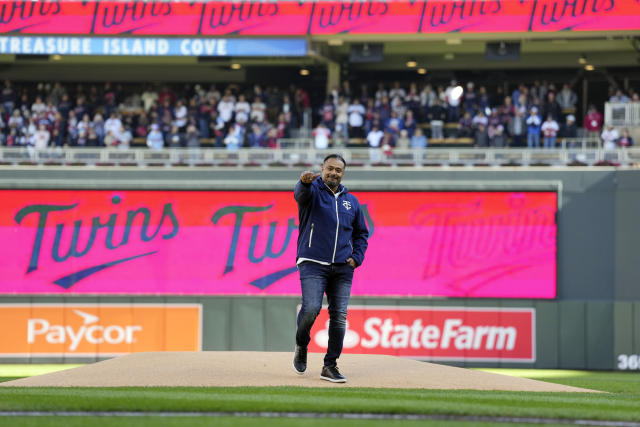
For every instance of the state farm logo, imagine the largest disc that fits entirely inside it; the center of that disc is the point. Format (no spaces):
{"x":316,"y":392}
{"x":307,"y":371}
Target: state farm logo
{"x":98,"y":329}
{"x":436,"y":333}
{"x":89,"y":331}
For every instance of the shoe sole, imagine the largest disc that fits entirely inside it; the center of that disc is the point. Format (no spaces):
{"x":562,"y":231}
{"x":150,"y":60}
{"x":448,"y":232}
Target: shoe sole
{"x":333,"y":380}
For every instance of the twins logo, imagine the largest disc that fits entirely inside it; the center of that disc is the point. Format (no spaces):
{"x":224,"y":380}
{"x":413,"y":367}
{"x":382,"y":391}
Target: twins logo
{"x":346,"y":204}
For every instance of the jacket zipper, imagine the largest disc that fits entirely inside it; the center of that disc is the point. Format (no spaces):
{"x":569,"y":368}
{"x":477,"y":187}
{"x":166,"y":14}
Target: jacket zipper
{"x":311,"y":234}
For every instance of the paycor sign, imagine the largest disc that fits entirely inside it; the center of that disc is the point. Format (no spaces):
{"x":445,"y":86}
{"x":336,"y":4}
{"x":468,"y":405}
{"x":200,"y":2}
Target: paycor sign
{"x":436,"y":333}
{"x":98,"y":329}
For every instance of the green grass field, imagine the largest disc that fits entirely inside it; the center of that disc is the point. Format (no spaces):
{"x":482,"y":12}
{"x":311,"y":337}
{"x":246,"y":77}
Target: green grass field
{"x":621,"y":403}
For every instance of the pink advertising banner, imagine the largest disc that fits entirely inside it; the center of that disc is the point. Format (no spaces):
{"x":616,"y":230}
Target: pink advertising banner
{"x":450,"y":244}
{"x":298,"y":18}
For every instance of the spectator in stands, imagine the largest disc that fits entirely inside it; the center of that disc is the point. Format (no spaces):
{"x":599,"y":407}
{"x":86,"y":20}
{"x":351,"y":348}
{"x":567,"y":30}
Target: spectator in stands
{"x":419,"y":140}
{"x":483,"y":99}
{"x":8,"y":96}
{"x":518,"y":127}
{"x":327,"y":113}
{"x":92,"y":139}
{"x":271,"y":140}
{"x":625,"y":140}
{"x":356,"y":119}
{"x":110,"y":139}
{"x":174,"y":139}
{"x":609,"y":137}
{"x":412,"y":100}
{"x":192,"y":136}
{"x":242,"y":108}
{"x":552,"y":107}
{"x":180,"y":116}
{"x":436,"y":116}
{"x":534,"y":122}
{"x":452,"y":98}
{"x":381,"y":92}
{"x":112,"y":124}
{"x":155,"y":139}
{"x":374,"y":139}
{"x":409,"y":123}
{"x":383,"y":109}
{"x":470,"y":99}
{"x":256,"y":136}
{"x":149,"y":97}
{"x":427,"y":98}
{"x":124,"y":138}
{"x":226,"y":108}
{"x":465,"y":126}
{"x":499,"y":139}
{"x":321,"y":135}
{"x":567,"y":100}
{"x":403,"y":141}
{"x":342,"y":120}
{"x":393,"y":126}
{"x":282,"y":128}
{"x":233,"y":140}
{"x":569,"y":130}
{"x":480,"y":119}
{"x":593,"y":122}
{"x":550,"y":130}
{"x":619,"y":97}
{"x":481,"y":137}
{"x":72,"y":129}
{"x":41,"y":138}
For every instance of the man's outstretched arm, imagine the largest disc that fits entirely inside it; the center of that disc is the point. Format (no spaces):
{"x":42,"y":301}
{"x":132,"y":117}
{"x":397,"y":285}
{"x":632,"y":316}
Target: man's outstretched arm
{"x":302,"y":192}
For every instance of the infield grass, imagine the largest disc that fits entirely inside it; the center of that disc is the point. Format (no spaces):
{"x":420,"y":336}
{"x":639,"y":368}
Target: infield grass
{"x":621,"y":403}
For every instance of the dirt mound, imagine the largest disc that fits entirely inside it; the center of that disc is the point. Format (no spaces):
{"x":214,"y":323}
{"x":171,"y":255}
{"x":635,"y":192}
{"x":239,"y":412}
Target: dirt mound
{"x":246,"y":368}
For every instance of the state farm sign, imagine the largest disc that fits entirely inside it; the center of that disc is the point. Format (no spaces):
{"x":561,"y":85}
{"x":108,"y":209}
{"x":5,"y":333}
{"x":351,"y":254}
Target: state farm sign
{"x":436,"y":333}
{"x":98,"y":329}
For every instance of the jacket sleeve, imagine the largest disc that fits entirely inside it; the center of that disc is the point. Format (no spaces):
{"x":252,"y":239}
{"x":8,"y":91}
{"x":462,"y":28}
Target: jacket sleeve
{"x":359,"y":237}
{"x":302,"y":193}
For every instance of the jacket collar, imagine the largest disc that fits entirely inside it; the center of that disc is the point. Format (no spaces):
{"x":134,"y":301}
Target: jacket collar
{"x":320,"y":184}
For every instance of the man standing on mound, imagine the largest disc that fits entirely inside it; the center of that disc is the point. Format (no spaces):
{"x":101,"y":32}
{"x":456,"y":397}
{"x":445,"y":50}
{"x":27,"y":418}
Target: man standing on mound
{"x":332,"y":241}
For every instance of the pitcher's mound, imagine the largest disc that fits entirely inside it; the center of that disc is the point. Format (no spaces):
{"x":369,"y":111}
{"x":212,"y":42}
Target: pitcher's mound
{"x":253,"y":369}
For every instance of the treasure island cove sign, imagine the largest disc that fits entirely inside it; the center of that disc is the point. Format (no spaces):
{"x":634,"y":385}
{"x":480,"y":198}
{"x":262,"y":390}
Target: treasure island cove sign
{"x":297,"y":18}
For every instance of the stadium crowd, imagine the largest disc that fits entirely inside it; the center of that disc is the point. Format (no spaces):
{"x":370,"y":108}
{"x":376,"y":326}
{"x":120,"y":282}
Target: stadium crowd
{"x":386,"y":116}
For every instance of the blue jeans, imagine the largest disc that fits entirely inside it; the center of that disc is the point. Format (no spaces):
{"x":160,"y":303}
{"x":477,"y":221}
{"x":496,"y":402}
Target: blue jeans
{"x":533,"y":139}
{"x":316,"y":280}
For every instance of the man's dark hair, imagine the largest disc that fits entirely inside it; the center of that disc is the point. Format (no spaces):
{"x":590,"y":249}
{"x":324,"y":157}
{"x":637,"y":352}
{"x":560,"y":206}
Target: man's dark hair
{"x":335,"y":156}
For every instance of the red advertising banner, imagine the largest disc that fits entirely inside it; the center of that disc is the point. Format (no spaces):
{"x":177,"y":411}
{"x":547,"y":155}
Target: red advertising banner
{"x":435,"y":333}
{"x":453,"y":244}
{"x":296,"y":18}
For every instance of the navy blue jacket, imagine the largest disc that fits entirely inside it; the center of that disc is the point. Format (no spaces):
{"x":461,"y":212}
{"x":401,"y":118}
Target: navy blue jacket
{"x":332,"y":226}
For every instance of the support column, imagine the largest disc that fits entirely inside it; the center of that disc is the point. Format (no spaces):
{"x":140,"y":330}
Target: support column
{"x":333,"y":75}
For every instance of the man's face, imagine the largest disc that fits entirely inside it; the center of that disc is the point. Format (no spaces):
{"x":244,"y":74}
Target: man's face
{"x":332,"y":172}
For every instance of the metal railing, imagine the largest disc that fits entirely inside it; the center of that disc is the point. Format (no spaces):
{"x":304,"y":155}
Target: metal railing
{"x":622,"y":114}
{"x":361,"y":157}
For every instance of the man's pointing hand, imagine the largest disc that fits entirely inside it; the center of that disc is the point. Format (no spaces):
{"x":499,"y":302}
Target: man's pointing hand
{"x":307,"y":177}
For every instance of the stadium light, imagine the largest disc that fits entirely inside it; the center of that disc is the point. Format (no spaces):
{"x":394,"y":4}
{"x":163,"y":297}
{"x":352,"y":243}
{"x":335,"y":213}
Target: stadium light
{"x":422,"y":71}
{"x":56,"y":57}
{"x":412,"y":63}
{"x":235,"y":66}
{"x":583,"y":59}
{"x":589,"y":67}
{"x":304,"y":72}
